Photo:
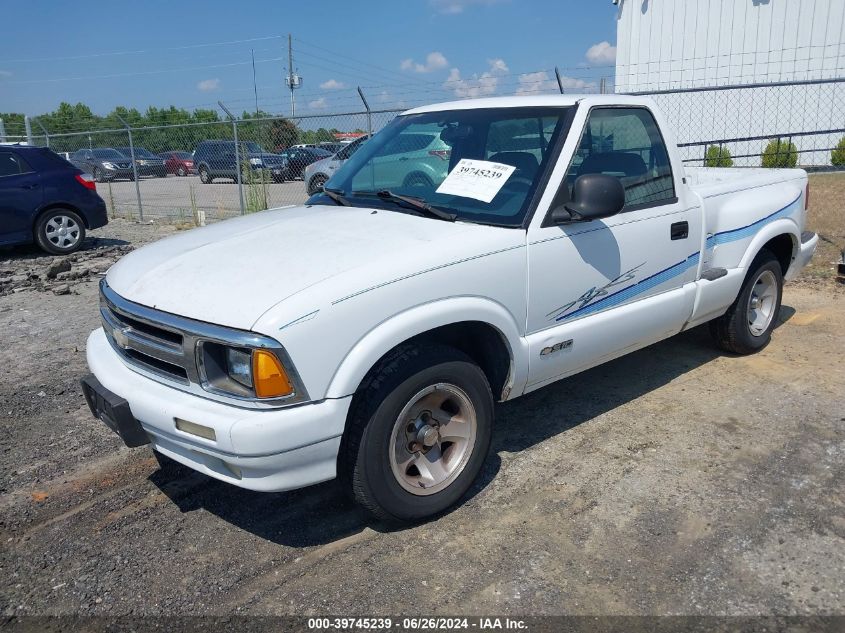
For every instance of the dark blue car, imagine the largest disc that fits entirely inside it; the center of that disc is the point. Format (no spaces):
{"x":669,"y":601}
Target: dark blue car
{"x":46,"y":200}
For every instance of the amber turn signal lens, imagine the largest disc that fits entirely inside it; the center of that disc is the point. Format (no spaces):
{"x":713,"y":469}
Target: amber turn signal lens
{"x":269,"y":376}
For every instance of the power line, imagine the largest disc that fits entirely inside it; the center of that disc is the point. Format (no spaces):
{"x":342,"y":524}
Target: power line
{"x":135,"y":52}
{"x":144,"y":72}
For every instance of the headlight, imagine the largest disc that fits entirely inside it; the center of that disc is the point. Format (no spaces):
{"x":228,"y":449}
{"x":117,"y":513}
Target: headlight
{"x":109,"y":166}
{"x":242,"y":371}
{"x":256,"y":162}
{"x":239,"y":365}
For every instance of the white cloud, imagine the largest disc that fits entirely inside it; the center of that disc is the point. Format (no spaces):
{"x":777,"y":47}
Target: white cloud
{"x":332,"y":84}
{"x":433,"y":61}
{"x":478,"y":85}
{"x":601,"y":53}
{"x":453,"y":7}
{"x":541,"y":82}
{"x":318,"y":104}
{"x":208,"y":85}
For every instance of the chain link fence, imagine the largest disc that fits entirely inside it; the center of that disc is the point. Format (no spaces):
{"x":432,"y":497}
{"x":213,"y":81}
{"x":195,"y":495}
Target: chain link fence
{"x":157,"y":171}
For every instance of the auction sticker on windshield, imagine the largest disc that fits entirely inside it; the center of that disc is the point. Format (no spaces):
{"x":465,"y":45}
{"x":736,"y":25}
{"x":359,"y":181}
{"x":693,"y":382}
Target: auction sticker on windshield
{"x":477,"y":179}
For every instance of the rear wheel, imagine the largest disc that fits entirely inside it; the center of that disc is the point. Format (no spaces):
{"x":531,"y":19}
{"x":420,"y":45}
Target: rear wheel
{"x":205,"y":177}
{"x":181,"y":171}
{"x":98,"y":175}
{"x":417,"y":180}
{"x":747,"y":325}
{"x":418,"y":434}
{"x":59,"y":231}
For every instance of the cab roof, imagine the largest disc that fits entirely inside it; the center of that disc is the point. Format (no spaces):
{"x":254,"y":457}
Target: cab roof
{"x":564,"y":100}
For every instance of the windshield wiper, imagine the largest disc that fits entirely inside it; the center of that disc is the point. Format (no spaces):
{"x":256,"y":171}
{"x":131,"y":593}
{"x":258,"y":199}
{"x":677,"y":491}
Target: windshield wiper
{"x":415,"y":203}
{"x":337,"y":196}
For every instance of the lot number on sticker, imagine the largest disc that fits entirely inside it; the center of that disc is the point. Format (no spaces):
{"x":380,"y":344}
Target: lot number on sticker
{"x":477,"y":179}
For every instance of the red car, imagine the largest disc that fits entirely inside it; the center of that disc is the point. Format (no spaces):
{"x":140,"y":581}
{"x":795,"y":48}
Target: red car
{"x":179,"y":163}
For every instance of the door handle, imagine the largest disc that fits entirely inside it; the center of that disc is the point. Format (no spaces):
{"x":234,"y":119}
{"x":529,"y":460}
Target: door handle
{"x":32,"y":186}
{"x":679,"y":230}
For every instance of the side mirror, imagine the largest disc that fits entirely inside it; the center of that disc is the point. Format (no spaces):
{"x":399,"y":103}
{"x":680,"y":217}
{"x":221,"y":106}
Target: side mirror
{"x":594,"y":196}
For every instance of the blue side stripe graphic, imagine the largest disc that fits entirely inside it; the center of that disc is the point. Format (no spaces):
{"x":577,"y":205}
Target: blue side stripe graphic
{"x":631,"y":291}
{"x":681,"y":267}
{"x":733,"y":235}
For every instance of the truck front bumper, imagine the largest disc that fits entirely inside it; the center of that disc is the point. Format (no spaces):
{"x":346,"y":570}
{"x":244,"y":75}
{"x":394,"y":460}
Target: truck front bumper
{"x":266,"y":450}
{"x":806,"y":250}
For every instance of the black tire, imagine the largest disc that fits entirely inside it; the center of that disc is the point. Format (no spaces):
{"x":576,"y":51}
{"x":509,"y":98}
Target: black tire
{"x":365,"y":456}
{"x":205,"y":177}
{"x":417,"y":179}
{"x":50,"y":241}
{"x":181,"y":171}
{"x":733,"y":331}
{"x":98,"y":175}
{"x":315,"y":183}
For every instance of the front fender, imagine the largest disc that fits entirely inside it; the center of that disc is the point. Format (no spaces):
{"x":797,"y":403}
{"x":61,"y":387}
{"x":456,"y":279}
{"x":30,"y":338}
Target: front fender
{"x":424,"y":317}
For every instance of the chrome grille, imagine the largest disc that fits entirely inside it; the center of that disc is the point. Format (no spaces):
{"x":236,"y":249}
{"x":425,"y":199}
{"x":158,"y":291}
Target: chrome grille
{"x":163,"y":346}
{"x":147,"y":344}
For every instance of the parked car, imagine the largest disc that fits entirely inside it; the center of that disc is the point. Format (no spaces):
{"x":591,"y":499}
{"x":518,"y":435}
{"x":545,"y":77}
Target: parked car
{"x":103,"y":163}
{"x":367,"y":334}
{"x":65,"y":155}
{"x":316,"y":174}
{"x":179,"y":163}
{"x":147,"y":163}
{"x":331,"y":148}
{"x":46,"y":200}
{"x":298,"y":158}
{"x":216,"y":159}
{"x":424,"y":149}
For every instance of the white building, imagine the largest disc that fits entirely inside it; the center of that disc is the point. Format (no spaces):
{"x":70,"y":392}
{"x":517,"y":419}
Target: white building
{"x":682,"y":44}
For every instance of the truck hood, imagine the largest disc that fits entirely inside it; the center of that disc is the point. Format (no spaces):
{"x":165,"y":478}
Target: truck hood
{"x":232,"y":272}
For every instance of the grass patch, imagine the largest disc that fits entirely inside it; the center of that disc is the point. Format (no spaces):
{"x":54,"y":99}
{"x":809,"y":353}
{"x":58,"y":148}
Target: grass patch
{"x":826,"y":216}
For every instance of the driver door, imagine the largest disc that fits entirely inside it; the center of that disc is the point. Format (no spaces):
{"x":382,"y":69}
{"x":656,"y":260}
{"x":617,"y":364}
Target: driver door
{"x":601,"y":288}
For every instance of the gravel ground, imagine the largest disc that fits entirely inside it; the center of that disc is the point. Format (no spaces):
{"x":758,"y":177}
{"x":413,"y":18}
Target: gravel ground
{"x":676,"y":480}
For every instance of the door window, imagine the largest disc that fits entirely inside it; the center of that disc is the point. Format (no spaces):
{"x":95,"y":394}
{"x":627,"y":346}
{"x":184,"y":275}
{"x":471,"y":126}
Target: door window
{"x":626,"y":143}
{"x":12,"y":165}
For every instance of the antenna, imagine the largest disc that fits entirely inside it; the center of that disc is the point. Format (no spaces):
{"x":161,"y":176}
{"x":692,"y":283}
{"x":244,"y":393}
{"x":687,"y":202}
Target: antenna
{"x":293,"y":80}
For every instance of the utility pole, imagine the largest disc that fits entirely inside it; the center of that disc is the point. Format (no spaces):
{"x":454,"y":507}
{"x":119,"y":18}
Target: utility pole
{"x":254,"y":85}
{"x":293,"y":80}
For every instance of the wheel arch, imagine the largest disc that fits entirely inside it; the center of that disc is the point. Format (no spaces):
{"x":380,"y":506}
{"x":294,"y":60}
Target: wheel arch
{"x":481,"y":328}
{"x":51,"y":206}
{"x":781,"y":237}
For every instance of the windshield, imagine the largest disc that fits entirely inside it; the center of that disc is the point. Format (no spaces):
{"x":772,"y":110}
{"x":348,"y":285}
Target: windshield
{"x":108,"y":153}
{"x":415,"y":153}
{"x":254,"y":148}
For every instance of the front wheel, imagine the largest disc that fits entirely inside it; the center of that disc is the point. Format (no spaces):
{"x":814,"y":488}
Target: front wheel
{"x":747,"y":325}
{"x":205,"y":177}
{"x":418,"y":433}
{"x":181,"y":171}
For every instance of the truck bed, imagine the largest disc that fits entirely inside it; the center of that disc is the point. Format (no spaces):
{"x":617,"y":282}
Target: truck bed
{"x":709,"y":182}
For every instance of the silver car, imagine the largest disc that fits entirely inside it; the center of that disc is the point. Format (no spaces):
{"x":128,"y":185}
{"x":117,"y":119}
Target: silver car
{"x":316,"y":174}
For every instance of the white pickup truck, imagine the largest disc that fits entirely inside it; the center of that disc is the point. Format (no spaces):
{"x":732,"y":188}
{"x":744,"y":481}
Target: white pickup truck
{"x":367,"y":333}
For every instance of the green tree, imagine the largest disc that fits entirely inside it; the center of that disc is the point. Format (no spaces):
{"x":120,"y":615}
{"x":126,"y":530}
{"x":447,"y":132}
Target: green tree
{"x":837,"y":156}
{"x":718,"y":157}
{"x":780,"y":153}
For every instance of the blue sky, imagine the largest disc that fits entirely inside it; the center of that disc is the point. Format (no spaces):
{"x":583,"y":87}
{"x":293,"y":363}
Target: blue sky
{"x":400,"y":51}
